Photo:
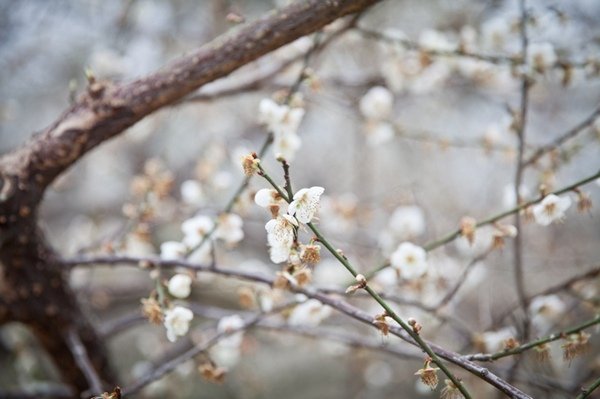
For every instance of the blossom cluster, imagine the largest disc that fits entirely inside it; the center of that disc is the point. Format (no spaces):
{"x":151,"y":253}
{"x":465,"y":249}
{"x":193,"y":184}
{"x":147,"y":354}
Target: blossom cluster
{"x":286,"y":218}
{"x":283,"y":122}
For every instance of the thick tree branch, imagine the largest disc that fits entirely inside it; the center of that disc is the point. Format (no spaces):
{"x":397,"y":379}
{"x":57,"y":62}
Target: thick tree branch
{"x":105,"y":110}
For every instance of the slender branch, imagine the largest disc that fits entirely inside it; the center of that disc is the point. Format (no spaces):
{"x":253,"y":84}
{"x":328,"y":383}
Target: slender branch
{"x":521,"y":130}
{"x":84,"y":362}
{"x":495,"y":59}
{"x":568,"y":135}
{"x":586,"y":392}
{"x":50,"y":392}
{"x":551,"y":290}
{"x":532,"y":344}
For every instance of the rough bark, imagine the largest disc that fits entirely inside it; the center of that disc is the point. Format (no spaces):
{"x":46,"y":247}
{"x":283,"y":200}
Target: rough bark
{"x":34,"y":288}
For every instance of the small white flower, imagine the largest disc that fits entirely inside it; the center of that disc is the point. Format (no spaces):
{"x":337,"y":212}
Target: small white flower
{"x":195,"y":229}
{"x":270,"y":199}
{"x":180,"y":286}
{"x":494,"y":340}
{"x":172,"y":250}
{"x":410,"y":259}
{"x":177,"y":322}
{"x":552,"y":208}
{"x":407,"y":221}
{"x":229,"y":324}
{"x":377,"y":103}
{"x":281,"y":120}
{"x":541,"y":56}
{"x":310,"y":313}
{"x":546,"y":311}
{"x":286,"y":145}
{"x":280,"y":231}
{"x":305,"y":203}
{"x":192,"y":193}
{"x":229,"y":228}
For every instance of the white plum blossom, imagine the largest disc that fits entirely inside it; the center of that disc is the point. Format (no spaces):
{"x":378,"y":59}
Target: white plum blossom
{"x":280,"y":231}
{"x":192,"y":193}
{"x":280,"y":236}
{"x":180,"y":286}
{"x":172,"y":250}
{"x":177,"y":322}
{"x":229,"y":228}
{"x":494,"y":340}
{"x":305,"y":203}
{"x":377,"y":103}
{"x":280,"y":253}
{"x":279,"y":119}
{"x":541,"y":56}
{"x":546,"y":311}
{"x":550,"y":209}
{"x":195,"y":229}
{"x":407,"y":221}
{"x":283,"y":122}
{"x":410,"y":260}
{"x":286,"y":146}
{"x":229,"y":324}
{"x":310,"y":313}
{"x":270,"y":199}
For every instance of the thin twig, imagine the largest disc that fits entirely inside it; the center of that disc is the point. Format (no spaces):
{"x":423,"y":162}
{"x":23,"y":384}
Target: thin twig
{"x":83,"y":361}
{"x":568,"y":135}
{"x":488,"y":357}
{"x":586,"y":392}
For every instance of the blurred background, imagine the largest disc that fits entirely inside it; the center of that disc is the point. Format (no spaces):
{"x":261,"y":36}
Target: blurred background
{"x":451,"y":153}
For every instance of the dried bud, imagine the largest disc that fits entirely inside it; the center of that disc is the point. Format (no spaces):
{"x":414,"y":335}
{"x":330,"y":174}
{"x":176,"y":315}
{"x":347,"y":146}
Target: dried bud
{"x":250,"y":164}
{"x":246,"y":297}
{"x":416,"y":327}
{"x":542,"y":352}
{"x":311,"y":254}
{"x":212,"y":373}
{"x":381,"y":323}
{"x":576,"y":345}
{"x":584,"y":202}
{"x":361,"y":283}
{"x":303,"y":276}
{"x":151,"y":310}
{"x":281,"y":281}
{"x":450,"y":391}
{"x":468,"y":225}
{"x":510,"y":343}
{"x":428,"y":375}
